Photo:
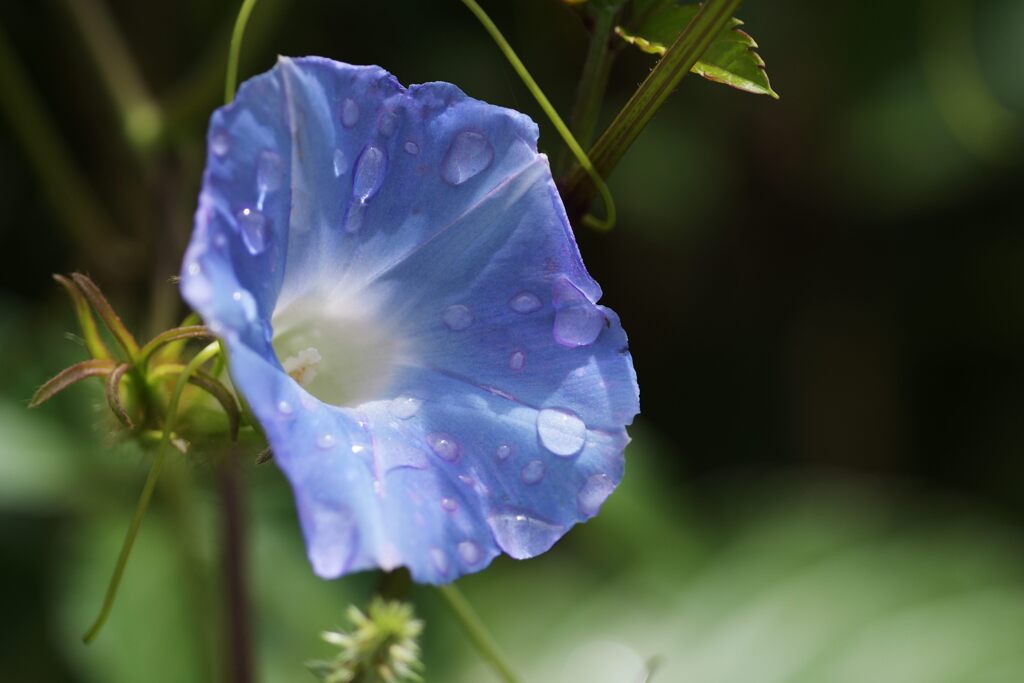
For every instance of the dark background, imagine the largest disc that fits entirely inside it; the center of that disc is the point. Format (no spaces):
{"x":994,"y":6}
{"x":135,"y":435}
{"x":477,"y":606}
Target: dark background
{"x":824,"y":289}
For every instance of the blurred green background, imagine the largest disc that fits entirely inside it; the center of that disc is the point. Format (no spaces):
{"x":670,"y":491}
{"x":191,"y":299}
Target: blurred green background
{"x":824,"y":301}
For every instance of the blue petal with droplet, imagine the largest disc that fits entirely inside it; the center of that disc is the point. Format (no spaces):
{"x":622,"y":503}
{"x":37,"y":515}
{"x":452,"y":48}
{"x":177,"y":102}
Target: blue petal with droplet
{"x":503,"y":423}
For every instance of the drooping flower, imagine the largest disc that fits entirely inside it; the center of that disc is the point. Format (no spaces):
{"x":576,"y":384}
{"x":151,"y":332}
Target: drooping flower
{"x":408,"y":318}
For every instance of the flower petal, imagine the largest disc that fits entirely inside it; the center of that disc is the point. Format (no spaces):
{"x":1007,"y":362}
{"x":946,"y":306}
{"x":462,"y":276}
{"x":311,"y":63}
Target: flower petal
{"x":501,"y":423}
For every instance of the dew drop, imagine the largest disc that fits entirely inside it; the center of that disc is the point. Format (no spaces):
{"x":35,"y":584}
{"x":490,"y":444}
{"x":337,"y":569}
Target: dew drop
{"x":561,"y":431}
{"x":503,"y":452}
{"x":449,"y":504}
{"x":440,"y":560}
{"x":349,"y":112}
{"x":269,"y":172}
{"x":386,"y":122}
{"x":405,"y":406}
{"x":466,"y":479}
{"x":194,"y":269}
{"x":253,"y":227}
{"x":593,"y":493}
{"x":524,"y":302}
{"x":369,"y":173}
{"x":340,"y":162}
{"x":326,"y":441}
{"x":444,"y":446}
{"x":412,"y":148}
{"x":578,"y":322}
{"x":522,"y":536}
{"x":220,"y":142}
{"x":457,"y":317}
{"x":517,"y":360}
{"x":285,"y":408}
{"x":248,"y":304}
{"x":470,"y":553}
{"x":469,"y":154}
{"x":532,"y":472}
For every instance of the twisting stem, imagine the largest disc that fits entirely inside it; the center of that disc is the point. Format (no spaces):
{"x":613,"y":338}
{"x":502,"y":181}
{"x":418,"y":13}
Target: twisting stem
{"x":593,"y":80}
{"x":477,"y":632}
{"x":148,"y":488}
{"x":237,"y":606}
{"x":648,"y":98}
{"x":231,"y":81}
{"x":581,"y":157}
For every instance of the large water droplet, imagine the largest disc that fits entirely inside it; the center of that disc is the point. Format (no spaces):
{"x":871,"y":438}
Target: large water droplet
{"x":369,"y":174}
{"x":220,"y":142}
{"x":405,"y":406}
{"x":349,"y":112}
{"x":285,"y":408}
{"x":578,"y":321}
{"x":326,"y":441}
{"x":252,"y":225}
{"x":522,"y":536}
{"x":524,"y":302}
{"x":449,"y":504}
{"x":532,"y":472}
{"x":469,"y":154}
{"x":444,"y":446}
{"x":593,"y":493}
{"x":269,"y":172}
{"x":340,"y":162}
{"x":470,"y":553}
{"x":412,"y":148}
{"x":457,"y":317}
{"x":503,"y":452}
{"x":517,"y":360}
{"x":561,"y":431}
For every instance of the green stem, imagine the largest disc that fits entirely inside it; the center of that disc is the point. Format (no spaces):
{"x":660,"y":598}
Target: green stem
{"x":477,"y":632}
{"x":593,"y":80}
{"x":652,"y":93}
{"x":231,"y":81}
{"x":85,"y":221}
{"x":581,"y":157}
{"x":147,"y":490}
{"x":140,"y":113}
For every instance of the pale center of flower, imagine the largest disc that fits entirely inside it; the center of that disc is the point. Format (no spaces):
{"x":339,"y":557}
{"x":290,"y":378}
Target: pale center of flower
{"x":335,"y":348}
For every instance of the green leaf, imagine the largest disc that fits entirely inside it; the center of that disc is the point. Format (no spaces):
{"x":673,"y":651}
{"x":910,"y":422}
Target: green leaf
{"x":730,"y":59}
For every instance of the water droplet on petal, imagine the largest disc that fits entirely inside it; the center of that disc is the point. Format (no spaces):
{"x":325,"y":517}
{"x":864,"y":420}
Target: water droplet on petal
{"x":285,"y":408}
{"x":517,"y":360}
{"x":386,"y":122}
{"x":525,"y":302}
{"x":449,"y":504}
{"x":444,"y":446}
{"x":340,"y":162}
{"x":593,"y":493}
{"x":412,"y":148}
{"x":248,"y":303}
{"x":561,"y":431}
{"x":440,"y":560}
{"x":269,"y":172}
{"x":404,"y":406}
{"x":326,"y":441}
{"x":349,"y":112}
{"x":369,"y":174}
{"x":470,"y":553}
{"x":522,"y":536}
{"x":503,"y":452}
{"x":457,"y":317}
{"x":578,"y":321}
{"x":469,"y":154}
{"x":253,"y":227}
{"x":220,"y":142}
{"x":466,"y":479}
{"x":532,"y":472}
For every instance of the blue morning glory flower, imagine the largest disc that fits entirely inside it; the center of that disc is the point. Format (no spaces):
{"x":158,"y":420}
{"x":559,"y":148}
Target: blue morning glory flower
{"x":407,"y":316}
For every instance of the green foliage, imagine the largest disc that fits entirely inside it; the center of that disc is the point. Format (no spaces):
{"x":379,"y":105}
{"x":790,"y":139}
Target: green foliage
{"x":730,"y":59}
